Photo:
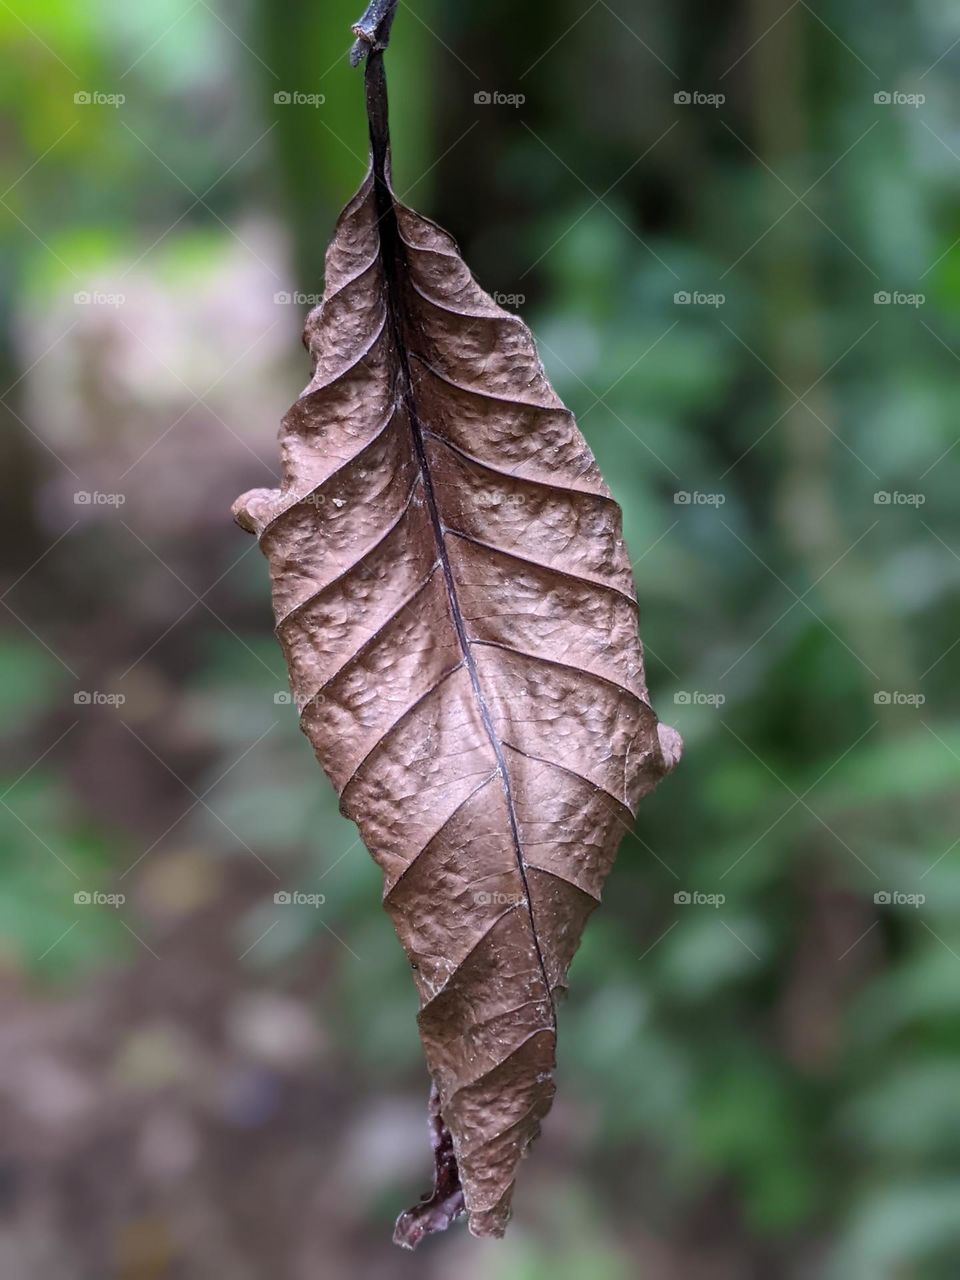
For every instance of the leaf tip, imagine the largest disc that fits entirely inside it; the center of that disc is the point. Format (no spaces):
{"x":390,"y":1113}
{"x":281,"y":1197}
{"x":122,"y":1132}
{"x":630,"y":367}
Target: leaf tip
{"x":438,"y":1209}
{"x":426,"y":1218}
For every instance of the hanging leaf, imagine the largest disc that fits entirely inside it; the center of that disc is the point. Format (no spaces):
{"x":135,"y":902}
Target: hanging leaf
{"x":456,"y":607}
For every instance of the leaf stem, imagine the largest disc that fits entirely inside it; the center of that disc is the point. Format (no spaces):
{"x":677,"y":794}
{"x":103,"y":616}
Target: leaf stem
{"x":373,"y":30}
{"x":373,"y":36}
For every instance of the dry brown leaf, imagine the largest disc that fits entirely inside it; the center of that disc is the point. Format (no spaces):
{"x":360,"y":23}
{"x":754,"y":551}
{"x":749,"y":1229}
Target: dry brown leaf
{"x":456,"y":607}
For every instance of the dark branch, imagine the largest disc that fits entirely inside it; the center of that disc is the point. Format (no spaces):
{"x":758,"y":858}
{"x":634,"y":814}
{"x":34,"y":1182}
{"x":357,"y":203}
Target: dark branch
{"x":373,"y":29}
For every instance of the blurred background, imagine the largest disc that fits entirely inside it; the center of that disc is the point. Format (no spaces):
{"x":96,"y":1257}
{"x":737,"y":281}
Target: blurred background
{"x":734,"y":230}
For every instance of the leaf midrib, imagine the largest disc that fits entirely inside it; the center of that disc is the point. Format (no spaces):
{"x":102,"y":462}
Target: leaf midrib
{"x":394,"y":260}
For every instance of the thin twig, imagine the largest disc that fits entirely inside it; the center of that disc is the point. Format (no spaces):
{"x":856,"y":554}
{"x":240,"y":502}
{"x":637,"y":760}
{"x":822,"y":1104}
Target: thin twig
{"x":373,"y":29}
